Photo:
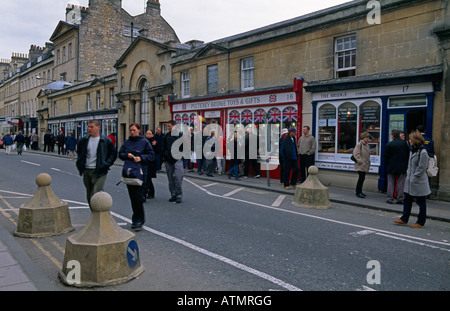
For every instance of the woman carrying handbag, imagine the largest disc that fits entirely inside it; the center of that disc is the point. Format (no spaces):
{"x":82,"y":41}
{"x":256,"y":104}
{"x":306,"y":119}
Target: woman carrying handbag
{"x":137,"y":152}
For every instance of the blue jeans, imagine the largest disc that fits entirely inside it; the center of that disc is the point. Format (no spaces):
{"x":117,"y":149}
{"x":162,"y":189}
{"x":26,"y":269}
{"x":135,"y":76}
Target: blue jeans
{"x":234,"y":169}
{"x":407,"y":206}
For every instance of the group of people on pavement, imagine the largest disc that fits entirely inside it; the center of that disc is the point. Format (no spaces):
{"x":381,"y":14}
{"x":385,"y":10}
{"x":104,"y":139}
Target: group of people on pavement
{"x":406,"y":162}
{"x":140,"y":153}
{"x":406,"y":166}
{"x":15,"y":141}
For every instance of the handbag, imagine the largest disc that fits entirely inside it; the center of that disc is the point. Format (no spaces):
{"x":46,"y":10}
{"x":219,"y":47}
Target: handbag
{"x":353,"y":158}
{"x":132,"y":174}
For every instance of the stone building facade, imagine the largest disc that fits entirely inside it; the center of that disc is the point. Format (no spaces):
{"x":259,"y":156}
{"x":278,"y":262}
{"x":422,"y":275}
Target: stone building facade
{"x":357,"y":75}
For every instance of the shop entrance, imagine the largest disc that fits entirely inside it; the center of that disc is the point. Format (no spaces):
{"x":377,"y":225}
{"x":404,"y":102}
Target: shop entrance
{"x":406,"y":120}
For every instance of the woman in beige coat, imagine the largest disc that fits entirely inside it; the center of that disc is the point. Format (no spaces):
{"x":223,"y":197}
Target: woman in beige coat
{"x":362,"y":163}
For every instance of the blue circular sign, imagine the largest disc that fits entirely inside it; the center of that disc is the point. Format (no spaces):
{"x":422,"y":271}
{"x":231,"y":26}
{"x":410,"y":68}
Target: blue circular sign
{"x":132,"y":254}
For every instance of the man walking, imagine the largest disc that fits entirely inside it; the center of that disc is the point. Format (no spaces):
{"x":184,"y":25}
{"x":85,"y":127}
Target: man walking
{"x":96,"y":154}
{"x":174,"y":167}
{"x":306,"y":148}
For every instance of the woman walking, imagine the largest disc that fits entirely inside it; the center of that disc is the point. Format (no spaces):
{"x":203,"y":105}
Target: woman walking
{"x":362,"y":163}
{"x":136,"y":151}
{"x":234,"y":157}
{"x":417,"y":186}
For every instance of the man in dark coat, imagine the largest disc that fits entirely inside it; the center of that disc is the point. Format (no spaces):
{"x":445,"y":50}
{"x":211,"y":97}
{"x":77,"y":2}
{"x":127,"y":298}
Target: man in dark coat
{"x":396,"y":156}
{"x":290,"y":158}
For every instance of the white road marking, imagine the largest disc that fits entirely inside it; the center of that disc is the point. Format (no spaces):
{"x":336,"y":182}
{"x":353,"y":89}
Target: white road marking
{"x":279,"y":200}
{"x":209,"y":185}
{"x":233,"y":192}
{"x":385,"y":233}
{"x":36,"y":164}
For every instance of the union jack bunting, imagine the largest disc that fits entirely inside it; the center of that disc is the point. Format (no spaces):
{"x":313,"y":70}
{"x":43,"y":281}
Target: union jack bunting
{"x":289,"y":114}
{"x":258,"y":116}
{"x":274,"y":115}
{"x":234,"y":117}
{"x":246,"y":116}
{"x":177,"y":119}
{"x":185,"y":119}
{"x":272,"y":98}
{"x":192,"y":118}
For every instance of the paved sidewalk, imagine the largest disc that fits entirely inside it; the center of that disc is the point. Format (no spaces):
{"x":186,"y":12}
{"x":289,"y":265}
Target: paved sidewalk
{"x":19,"y":273}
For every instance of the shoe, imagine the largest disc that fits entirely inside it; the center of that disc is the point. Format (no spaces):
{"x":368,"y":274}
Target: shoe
{"x":399,"y":222}
{"x":238,"y":179}
{"x":137,"y":226}
{"x":294,"y":186}
{"x":228,"y":174}
{"x":178,"y":200}
{"x":360,"y":195}
{"x":200,"y":173}
{"x":399,"y":202}
{"x":257,"y":176}
{"x":416,"y":225}
{"x":172,"y":199}
{"x":363,"y":194}
{"x":209,"y":175}
{"x":389,"y":201}
{"x":287,"y":188}
{"x":245,"y":176}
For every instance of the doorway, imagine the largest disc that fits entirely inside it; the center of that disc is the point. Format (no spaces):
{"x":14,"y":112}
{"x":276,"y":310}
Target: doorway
{"x":406,"y":120}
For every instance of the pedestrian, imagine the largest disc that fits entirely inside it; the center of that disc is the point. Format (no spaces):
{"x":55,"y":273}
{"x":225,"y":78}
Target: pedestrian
{"x":34,"y":141}
{"x":428,"y":142}
{"x":251,"y":158}
{"x":220,"y":156}
{"x":306,"y":148}
{"x":362,"y":163}
{"x":174,"y":166}
{"x":60,"y":141}
{"x":27,"y":141}
{"x":158,"y":148}
{"x":20,"y":140}
{"x":396,"y":156}
{"x":235,"y":161}
{"x":8,"y":142}
{"x":96,"y":154}
{"x":417,"y":187}
{"x":47,"y":141}
{"x":187,"y":162}
{"x":71,"y":144}
{"x":211,"y":161}
{"x":290,"y":158}
{"x":201,"y":161}
{"x":151,"y":168}
{"x":112,"y":136}
{"x":52,"y":142}
{"x":136,"y":151}
{"x":283,"y":134}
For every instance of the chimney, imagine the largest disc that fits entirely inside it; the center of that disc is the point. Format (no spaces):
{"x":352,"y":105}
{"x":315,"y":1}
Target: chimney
{"x":153,"y":7}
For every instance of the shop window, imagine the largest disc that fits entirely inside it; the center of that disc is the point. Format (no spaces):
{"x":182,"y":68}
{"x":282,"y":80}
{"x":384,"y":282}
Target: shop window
{"x":369,"y":115}
{"x":345,"y":56}
{"x":234,"y":117}
{"x":411,"y":101}
{"x":145,"y":106}
{"x":246,"y":116}
{"x":347,"y":133}
{"x":327,"y":129}
{"x":289,"y":117}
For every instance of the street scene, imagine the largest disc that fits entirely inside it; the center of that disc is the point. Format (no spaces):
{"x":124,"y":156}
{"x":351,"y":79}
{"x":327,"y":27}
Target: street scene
{"x":228,"y":236}
{"x":158,"y":148}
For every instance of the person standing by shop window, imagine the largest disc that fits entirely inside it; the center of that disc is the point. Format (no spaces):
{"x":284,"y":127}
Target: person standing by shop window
{"x":306,"y":148}
{"x":396,"y":157}
{"x":136,"y":150}
{"x":362,"y":163}
{"x":417,"y":186}
{"x":174,"y":167}
{"x":290,"y":158}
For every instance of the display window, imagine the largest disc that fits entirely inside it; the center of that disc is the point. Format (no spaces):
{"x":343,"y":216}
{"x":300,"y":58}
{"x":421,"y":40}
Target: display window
{"x":339,"y":126}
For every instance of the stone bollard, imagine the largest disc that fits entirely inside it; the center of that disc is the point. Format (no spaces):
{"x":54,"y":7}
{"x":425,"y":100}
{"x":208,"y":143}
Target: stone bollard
{"x":44,"y":214}
{"x":312,"y":194}
{"x":102,"y":253}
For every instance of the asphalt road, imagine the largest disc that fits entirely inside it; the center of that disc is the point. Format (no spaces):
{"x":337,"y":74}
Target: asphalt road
{"x":228,"y":238}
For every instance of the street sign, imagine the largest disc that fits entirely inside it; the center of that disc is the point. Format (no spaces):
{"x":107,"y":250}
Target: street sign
{"x":132,"y":254}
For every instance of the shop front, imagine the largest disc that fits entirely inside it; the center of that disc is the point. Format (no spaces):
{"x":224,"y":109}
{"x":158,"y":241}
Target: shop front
{"x":340,"y":116}
{"x":263,"y":110}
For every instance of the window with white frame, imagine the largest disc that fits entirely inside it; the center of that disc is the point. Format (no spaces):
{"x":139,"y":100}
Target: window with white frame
{"x":88,"y":102}
{"x":111,"y":98}
{"x":247,"y":74}
{"x":345,"y":56}
{"x":213,"y":79}
{"x":145,"y":106}
{"x":185,"y":84}
{"x":99,"y":100}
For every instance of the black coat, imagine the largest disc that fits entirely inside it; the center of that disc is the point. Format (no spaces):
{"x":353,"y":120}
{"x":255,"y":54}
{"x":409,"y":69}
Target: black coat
{"x":396,"y":156}
{"x":106,"y":155}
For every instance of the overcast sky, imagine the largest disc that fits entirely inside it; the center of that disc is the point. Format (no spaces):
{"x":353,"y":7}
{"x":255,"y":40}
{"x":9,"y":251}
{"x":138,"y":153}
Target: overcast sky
{"x":27,"y":22}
